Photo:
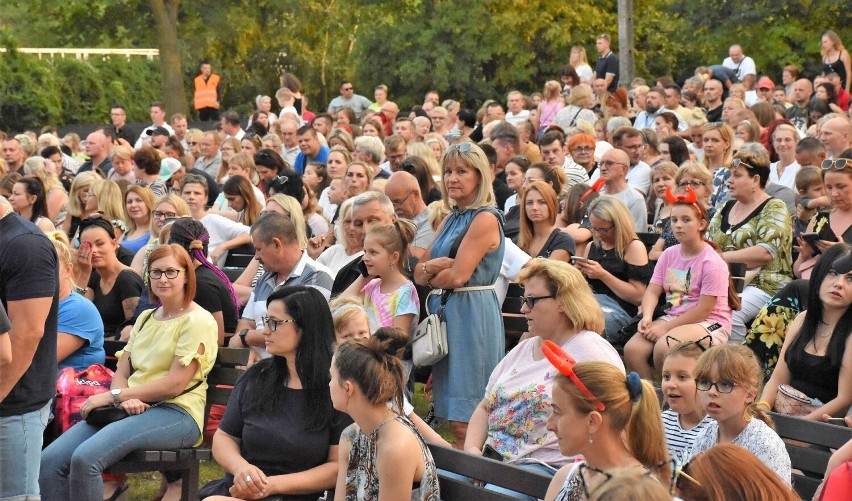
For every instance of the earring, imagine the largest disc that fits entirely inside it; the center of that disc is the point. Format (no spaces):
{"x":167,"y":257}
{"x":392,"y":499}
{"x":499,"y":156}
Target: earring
{"x":590,"y":439}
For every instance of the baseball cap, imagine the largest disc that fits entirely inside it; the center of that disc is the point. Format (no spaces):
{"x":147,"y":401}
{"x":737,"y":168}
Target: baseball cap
{"x":765,"y":83}
{"x":159,"y":131}
{"x":168,"y":166}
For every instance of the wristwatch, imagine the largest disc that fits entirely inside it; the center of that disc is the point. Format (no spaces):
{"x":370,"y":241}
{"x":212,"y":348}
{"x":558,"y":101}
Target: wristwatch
{"x":116,"y":393}
{"x":242,"y":335}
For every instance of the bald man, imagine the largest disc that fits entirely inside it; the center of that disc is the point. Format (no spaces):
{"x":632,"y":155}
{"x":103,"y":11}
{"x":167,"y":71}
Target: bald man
{"x":614,"y":166}
{"x":836,"y":135}
{"x":404,"y":192}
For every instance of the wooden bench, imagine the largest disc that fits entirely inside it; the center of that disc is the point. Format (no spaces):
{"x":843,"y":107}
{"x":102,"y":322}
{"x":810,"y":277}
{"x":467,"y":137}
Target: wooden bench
{"x":808,"y":443}
{"x":221,"y":379}
{"x":484,"y":470}
{"x":514,"y":322}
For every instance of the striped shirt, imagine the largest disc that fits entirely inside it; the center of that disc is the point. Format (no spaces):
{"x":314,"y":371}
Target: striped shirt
{"x":679,"y":440}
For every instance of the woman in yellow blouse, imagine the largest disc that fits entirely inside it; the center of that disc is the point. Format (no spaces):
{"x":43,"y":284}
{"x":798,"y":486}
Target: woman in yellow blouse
{"x":160,"y":382}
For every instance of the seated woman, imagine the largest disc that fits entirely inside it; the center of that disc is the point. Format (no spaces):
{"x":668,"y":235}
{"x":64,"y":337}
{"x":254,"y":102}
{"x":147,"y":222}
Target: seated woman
{"x":559,"y":306}
{"x":281,"y":406}
{"x":167,"y":207}
{"x":553,"y":176}
{"x":171,"y":351}
{"x":755,"y":229}
{"x":816,"y":357}
{"x":611,"y":419}
{"x":224,"y":233}
{"x":743,"y":477}
{"x":213,"y":289}
{"x":138,"y":204}
{"x":696,"y":283}
{"x":30,"y":202}
{"x":539,"y":236}
{"x":615,"y":264}
{"x":80,"y":338}
{"x":242,"y":200}
{"x":240,"y":165}
{"x":659,"y":208}
{"x":112,"y":286}
{"x":574,"y":209}
{"x":56,"y":197}
{"x":348,"y":246}
{"x":689,"y":175}
{"x":77,"y":201}
{"x":386,"y":457}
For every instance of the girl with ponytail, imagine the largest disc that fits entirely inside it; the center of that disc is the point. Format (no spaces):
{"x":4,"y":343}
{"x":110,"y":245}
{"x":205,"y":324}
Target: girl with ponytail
{"x":611,"y":419}
{"x":696,"y":282}
{"x":729,"y":380}
{"x":214,"y":292}
{"x":384,"y":455}
{"x":390,"y":299}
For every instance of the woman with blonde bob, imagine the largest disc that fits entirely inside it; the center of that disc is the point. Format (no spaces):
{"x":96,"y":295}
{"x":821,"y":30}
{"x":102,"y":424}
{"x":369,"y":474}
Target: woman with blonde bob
{"x":475,"y":349}
{"x":512,"y":418}
{"x":578,"y":107}
{"x":743,"y":477}
{"x":55,"y":195}
{"x":611,"y":419}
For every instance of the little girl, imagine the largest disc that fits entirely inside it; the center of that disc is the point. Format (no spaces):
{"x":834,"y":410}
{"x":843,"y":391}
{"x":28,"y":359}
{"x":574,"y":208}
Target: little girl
{"x":315,"y":177}
{"x":729,"y":379}
{"x":350,"y":319}
{"x":391,"y":299}
{"x":685,"y":418}
{"x":696,"y":282}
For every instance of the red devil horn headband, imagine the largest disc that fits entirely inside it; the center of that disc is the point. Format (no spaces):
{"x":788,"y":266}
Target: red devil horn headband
{"x":689,"y":198}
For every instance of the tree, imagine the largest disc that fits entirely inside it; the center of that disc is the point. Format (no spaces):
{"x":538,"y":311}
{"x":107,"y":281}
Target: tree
{"x":166,"y":17}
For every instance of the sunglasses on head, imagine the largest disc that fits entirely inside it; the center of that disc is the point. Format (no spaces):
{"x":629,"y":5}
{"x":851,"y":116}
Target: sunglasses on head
{"x":462,"y":147}
{"x":677,"y":472}
{"x":737,"y":162}
{"x":838,"y":164}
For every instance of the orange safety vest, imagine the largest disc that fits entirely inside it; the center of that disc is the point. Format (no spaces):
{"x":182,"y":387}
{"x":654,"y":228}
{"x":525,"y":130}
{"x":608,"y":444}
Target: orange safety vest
{"x":205,"y":92}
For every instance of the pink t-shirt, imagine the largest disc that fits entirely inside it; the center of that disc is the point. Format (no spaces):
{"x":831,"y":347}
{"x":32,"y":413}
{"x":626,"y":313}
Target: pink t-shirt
{"x":381,"y":307}
{"x":519,"y":393}
{"x":684,"y":279}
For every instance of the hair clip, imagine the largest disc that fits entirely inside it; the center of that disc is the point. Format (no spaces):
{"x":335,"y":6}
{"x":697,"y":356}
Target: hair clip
{"x":565,"y":365}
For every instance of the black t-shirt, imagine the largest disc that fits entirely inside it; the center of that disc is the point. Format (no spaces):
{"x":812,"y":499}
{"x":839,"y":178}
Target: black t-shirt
{"x":212,"y":294}
{"x":434,"y":196}
{"x":558,"y":240}
{"x":344,"y":278}
{"x":127,"y":285}
{"x":715,"y":115}
{"x":501,"y":192}
{"x":29,"y":270}
{"x":127,"y":134}
{"x":277,"y":441}
{"x":212,"y":187}
{"x":5,"y":324}
{"x":608,"y":64}
{"x":512,"y":223}
{"x":125,"y":257}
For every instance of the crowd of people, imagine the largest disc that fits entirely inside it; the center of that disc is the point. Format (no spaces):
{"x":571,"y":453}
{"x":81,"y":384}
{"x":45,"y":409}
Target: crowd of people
{"x":624,"y":212}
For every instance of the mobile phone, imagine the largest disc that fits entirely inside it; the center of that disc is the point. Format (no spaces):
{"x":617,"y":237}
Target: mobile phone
{"x":491,"y":453}
{"x":578,"y":259}
{"x":837,"y":421}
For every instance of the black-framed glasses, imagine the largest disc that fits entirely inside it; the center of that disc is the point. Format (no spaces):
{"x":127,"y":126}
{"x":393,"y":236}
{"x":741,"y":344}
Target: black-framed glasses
{"x":706,"y":340}
{"x":737,"y":162}
{"x":273,"y":323}
{"x":838,"y":164}
{"x":461,"y":147}
{"x":583,"y":149}
{"x":610,"y":163}
{"x":601,"y":229}
{"x":530,"y":301}
{"x":397,"y":203}
{"x":165,"y":215}
{"x":171,"y":273}
{"x":692,"y":184}
{"x":722,"y":386}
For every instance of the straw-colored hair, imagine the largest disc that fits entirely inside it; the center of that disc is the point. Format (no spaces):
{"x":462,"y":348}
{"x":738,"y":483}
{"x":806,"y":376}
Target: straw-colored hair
{"x":424,"y":151}
{"x":293,"y":210}
{"x":572,"y":291}
{"x":339,"y":230}
{"x":49,"y":179}
{"x":63,"y":250}
{"x":736,"y":363}
{"x":631,"y":483}
{"x":147,"y":197}
{"x":475,"y":159}
{"x":181,"y":209}
{"x":727,"y":135}
{"x":613,"y":210}
{"x":110,"y":200}
{"x":344,"y":309}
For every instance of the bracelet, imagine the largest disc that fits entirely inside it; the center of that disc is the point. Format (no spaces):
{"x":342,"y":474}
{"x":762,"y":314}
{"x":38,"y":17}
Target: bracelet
{"x":81,"y":290}
{"x":426,"y":272}
{"x":765,"y":403}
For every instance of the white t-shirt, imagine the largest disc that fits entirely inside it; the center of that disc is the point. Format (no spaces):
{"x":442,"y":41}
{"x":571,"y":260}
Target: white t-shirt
{"x":746,"y":67}
{"x":516,"y":119}
{"x":635,"y":203}
{"x":585,"y":72}
{"x":335,"y":258}
{"x":639,"y":177}
{"x":222,"y":229}
{"x":788,"y":178}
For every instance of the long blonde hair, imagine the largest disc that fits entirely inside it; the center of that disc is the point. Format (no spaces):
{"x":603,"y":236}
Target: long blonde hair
{"x":571,"y":289}
{"x":727,"y":135}
{"x":110,"y":200}
{"x":63,"y":250}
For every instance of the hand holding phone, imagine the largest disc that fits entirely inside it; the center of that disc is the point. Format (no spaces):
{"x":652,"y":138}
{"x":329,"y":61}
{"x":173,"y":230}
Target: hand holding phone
{"x":837,"y":421}
{"x":491,"y":453}
{"x":578,"y":259}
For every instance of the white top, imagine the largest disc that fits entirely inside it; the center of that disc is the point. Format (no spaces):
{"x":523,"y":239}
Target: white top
{"x":221,"y":230}
{"x":758,"y":438}
{"x":585,"y":72}
{"x":635,"y":203}
{"x":514,"y":258}
{"x":639,"y":177}
{"x":516,"y":119}
{"x":679,"y":439}
{"x":328,"y":208}
{"x":788,"y":178}
{"x":746,"y":67}
{"x":510,"y":202}
{"x":335,"y":258}
{"x":318,"y":224}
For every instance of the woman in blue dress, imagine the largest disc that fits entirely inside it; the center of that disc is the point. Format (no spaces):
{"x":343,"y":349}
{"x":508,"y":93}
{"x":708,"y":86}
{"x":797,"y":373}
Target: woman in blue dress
{"x":474,"y":323}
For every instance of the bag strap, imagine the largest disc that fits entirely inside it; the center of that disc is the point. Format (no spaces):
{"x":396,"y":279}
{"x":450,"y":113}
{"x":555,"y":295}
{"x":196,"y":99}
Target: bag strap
{"x":445,"y":296}
{"x":184,"y":392}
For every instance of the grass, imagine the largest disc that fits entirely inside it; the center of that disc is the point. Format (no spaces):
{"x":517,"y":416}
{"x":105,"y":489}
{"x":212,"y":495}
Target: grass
{"x":144,"y":486}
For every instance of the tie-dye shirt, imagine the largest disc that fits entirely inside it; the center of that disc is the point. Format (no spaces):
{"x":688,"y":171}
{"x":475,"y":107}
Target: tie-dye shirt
{"x":382,"y":308}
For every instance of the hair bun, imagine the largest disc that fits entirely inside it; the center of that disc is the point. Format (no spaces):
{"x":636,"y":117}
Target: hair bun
{"x":196,"y":244}
{"x":634,"y":386}
{"x":391,"y":339}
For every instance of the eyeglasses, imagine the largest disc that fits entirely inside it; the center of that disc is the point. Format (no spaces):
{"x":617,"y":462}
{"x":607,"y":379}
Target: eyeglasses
{"x":838,"y":164}
{"x":722,"y":386}
{"x":273,"y":323}
{"x":397,"y":203}
{"x":462,"y":147}
{"x":601,"y":229}
{"x":530,"y":301}
{"x":530,"y":180}
{"x":737,"y":162}
{"x":635,"y":147}
{"x":693,"y":184}
{"x":165,"y":215}
{"x":671,"y":341}
{"x":610,"y":163}
{"x":583,"y":149}
{"x":563,"y":362}
{"x":170,"y":273}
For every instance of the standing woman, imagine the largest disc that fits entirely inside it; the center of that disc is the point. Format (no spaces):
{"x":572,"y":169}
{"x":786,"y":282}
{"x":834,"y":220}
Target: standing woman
{"x":138,"y":204}
{"x":835,"y":58}
{"x":385,"y":456}
{"x":280,"y":434}
{"x":77,"y":201}
{"x":29,"y":201}
{"x":755,"y":229}
{"x":474,"y":350}
{"x":718,"y":140}
{"x":170,"y":352}
{"x":112,"y":286}
{"x":784,"y":140}
{"x":539,"y":235}
{"x":580,"y":63}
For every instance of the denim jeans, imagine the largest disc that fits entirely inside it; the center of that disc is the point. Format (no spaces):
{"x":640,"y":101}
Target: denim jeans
{"x":74,"y":462}
{"x":20,"y":454}
{"x":614,"y":316}
{"x":753,"y":299}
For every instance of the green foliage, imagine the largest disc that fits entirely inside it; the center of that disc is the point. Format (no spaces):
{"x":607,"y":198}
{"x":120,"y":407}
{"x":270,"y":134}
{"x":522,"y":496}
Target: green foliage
{"x":66,"y":91}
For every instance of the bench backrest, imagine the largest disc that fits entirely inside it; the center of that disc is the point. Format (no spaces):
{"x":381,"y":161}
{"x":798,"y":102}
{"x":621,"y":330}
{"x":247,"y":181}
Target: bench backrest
{"x":808,"y":443}
{"x":486,"y":470}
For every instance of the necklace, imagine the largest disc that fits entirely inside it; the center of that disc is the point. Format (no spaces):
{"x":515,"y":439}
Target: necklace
{"x":170,"y":316}
{"x":825,"y":330}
